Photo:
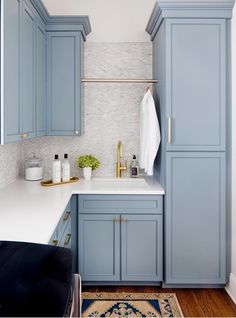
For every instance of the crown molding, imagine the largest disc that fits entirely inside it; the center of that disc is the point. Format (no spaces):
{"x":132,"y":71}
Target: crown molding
{"x":188,"y":9}
{"x":81,"y":23}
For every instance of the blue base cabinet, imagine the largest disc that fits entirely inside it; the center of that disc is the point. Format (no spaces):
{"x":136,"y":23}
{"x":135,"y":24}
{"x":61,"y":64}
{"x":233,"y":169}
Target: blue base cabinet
{"x":66,"y":232}
{"x":195,"y":224}
{"x":120,"y":247}
{"x":141,"y":250}
{"x":99,"y":247}
{"x":191,"y":43}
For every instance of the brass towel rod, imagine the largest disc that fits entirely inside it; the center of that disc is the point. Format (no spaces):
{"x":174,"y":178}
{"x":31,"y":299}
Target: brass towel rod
{"x":136,"y":81}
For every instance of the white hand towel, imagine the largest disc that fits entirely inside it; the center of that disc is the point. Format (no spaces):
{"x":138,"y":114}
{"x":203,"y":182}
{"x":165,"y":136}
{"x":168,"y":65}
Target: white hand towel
{"x":150,"y":136}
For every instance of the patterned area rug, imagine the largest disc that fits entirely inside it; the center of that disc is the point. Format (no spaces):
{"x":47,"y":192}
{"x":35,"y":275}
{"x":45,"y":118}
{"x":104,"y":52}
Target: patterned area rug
{"x":130,"y":305}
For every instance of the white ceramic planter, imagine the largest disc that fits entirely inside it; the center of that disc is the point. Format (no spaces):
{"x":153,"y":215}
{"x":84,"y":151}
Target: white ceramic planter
{"x":87,"y":173}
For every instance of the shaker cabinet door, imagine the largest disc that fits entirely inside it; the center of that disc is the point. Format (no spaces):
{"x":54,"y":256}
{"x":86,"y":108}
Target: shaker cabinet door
{"x":141,"y":250}
{"x":41,"y":102}
{"x":196,"y":84}
{"x":28,"y":72}
{"x":63,"y":83}
{"x":195,"y":247}
{"x":11,"y":83}
{"x":99,"y":247}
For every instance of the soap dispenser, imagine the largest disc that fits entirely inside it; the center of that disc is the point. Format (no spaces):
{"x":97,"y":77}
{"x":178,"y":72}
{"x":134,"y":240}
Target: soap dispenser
{"x":134,"y":168}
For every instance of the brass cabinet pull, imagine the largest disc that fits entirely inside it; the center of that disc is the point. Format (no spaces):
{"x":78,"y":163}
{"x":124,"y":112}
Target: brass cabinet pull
{"x":124,"y":219}
{"x":117,"y":219}
{"x":24,"y":135}
{"x":68,"y":238}
{"x":55,"y":242}
{"x":169,"y":130}
{"x":66,"y":216}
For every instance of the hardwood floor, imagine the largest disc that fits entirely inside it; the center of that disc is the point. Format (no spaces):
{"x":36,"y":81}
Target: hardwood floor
{"x":193,"y":302}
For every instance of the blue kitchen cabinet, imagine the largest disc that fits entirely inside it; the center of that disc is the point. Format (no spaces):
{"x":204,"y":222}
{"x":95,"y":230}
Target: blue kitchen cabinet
{"x":99,"y":247}
{"x":24,"y":26}
{"x":120,"y":238}
{"x":191,"y":43}
{"x":64,"y":83}
{"x":41,"y":79}
{"x":11,"y":71}
{"x":28,"y":72}
{"x":195,"y":223}
{"x":141,"y":249}
{"x":196,"y":84}
{"x":66,"y":231}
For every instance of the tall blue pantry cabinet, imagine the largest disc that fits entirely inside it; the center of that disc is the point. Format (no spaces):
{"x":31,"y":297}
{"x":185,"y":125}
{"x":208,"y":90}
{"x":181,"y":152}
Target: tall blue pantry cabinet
{"x":191,"y":44}
{"x":30,"y":60}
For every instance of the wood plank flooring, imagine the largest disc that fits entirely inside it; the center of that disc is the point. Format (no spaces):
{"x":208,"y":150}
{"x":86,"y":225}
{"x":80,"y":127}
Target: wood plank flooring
{"x":193,"y":302}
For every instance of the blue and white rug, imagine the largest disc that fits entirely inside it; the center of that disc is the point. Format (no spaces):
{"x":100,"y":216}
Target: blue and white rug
{"x":130,"y":305}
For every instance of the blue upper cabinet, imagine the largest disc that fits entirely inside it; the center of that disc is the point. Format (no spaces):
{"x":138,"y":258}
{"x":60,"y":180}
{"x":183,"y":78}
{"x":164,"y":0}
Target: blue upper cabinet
{"x":28,"y":72}
{"x":196,"y":84}
{"x":24,"y":28}
{"x":41,"y":80}
{"x":10,"y":66}
{"x":64,"y":90}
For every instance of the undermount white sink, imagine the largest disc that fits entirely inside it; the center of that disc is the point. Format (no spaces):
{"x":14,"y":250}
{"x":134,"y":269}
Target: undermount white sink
{"x":119,"y":183}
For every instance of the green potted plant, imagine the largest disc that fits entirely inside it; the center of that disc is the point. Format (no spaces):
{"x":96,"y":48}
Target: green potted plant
{"x":88,"y":163}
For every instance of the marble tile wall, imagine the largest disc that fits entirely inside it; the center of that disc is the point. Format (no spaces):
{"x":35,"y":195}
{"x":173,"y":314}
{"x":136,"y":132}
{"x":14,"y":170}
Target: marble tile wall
{"x":111,"y":114}
{"x":10,"y":163}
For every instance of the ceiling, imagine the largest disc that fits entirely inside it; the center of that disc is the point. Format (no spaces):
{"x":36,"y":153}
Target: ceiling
{"x":111,"y":20}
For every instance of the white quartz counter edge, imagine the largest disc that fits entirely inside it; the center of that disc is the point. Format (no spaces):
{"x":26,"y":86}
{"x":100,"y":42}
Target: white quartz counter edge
{"x":30,"y":212}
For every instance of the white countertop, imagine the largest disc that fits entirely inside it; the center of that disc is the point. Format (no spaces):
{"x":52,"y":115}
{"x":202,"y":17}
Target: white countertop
{"x":30,"y":212}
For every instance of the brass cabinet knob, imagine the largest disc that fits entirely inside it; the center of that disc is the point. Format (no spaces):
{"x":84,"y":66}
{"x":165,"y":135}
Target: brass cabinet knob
{"x":24,"y":135}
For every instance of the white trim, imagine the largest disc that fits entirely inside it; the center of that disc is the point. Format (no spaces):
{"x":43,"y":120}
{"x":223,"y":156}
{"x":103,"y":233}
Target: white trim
{"x":231,"y":287}
{"x":2,"y":71}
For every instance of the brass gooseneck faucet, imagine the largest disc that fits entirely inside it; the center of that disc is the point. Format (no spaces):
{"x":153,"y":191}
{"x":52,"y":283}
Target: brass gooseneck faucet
{"x":119,"y":167}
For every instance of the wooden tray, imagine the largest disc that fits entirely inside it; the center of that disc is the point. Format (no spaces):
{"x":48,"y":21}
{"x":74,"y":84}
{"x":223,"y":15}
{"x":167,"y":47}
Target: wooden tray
{"x":49,"y":183}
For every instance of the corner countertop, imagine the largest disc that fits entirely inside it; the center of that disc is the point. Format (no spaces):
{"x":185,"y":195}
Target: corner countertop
{"x":30,"y":212}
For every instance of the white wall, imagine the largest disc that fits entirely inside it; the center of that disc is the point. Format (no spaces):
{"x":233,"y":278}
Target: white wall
{"x":111,"y":20}
{"x":232,"y":285}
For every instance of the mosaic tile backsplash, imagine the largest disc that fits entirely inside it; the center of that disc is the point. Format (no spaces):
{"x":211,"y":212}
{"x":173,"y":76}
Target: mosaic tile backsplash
{"x":111,"y":114}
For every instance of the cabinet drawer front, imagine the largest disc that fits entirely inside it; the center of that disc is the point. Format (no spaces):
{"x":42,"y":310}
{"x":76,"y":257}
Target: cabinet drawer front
{"x":65,"y":219}
{"x":124,"y":204}
{"x":65,"y":240}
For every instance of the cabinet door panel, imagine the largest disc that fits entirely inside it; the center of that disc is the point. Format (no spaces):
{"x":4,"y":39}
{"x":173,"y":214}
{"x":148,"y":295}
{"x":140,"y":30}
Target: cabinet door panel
{"x":11,"y":96}
{"x":141,"y":247}
{"x":195,"y":218}
{"x":99,"y":247}
{"x":63,"y":83}
{"x":196,"y":81}
{"x":28,"y":72}
{"x":41,"y":110}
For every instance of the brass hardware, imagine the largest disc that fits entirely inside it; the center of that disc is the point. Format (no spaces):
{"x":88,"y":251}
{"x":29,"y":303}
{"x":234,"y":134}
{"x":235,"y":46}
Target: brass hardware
{"x":49,"y":183}
{"x":124,"y":219}
{"x":67,"y":241}
{"x":119,"y":167}
{"x":169,"y":130}
{"x":117,"y":219}
{"x":110,"y":80}
{"x":55,"y":242}
{"x":66,"y":216}
{"x":25,"y":135}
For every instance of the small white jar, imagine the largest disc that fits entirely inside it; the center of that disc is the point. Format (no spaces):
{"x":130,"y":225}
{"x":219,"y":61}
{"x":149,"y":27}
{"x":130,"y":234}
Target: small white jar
{"x":33,"y":169}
